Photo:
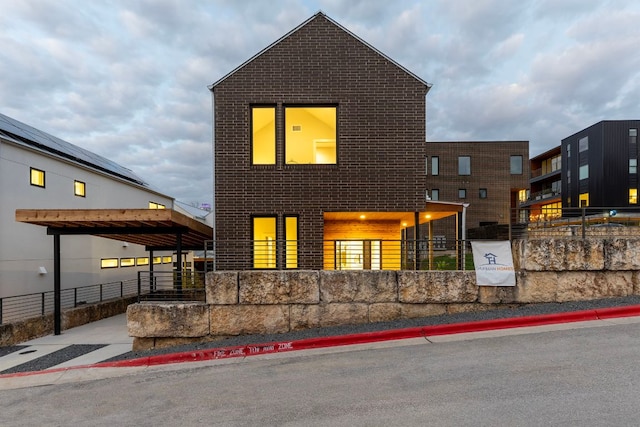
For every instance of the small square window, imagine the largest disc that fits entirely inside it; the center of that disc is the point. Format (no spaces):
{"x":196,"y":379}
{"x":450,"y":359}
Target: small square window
{"x":37,"y":177}
{"x":79,"y":188}
{"x":462,"y":193}
{"x":483,"y":193}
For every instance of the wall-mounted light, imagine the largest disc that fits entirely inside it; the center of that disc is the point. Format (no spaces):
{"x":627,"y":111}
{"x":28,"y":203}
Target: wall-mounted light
{"x":125,"y":244}
{"x":363,"y":216}
{"x":42,"y":270}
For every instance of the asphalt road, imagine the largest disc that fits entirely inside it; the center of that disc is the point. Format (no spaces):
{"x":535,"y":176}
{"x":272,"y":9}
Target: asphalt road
{"x":587,"y":376}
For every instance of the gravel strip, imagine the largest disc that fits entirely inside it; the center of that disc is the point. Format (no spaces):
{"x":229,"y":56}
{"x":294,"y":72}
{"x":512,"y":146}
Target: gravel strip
{"x":515,"y":311}
{"x":55,"y":358}
{"x":10,"y":349}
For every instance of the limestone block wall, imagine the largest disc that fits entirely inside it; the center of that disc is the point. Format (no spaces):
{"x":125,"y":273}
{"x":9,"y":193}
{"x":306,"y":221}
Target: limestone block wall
{"x":268,"y":302}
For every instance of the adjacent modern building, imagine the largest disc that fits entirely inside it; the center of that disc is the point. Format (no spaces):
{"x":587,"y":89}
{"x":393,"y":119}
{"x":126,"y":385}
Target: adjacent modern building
{"x":489,"y":176}
{"x":543,"y":201}
{"x":600,"y":166}
{"x":41,"y":171}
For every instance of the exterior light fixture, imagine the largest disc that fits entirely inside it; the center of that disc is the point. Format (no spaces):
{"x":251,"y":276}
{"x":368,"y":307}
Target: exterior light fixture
{"x":427,"y":216}
{"x":42,"y":270}
{"x":363,"y":216}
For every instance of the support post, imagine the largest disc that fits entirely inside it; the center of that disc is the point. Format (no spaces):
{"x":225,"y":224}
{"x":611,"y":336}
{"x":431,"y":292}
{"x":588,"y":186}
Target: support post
{"x":57,"y":312}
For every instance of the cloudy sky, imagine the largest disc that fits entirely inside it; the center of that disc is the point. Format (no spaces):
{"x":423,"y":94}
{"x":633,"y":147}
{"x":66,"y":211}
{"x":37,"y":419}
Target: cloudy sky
{"x":128,"y":79}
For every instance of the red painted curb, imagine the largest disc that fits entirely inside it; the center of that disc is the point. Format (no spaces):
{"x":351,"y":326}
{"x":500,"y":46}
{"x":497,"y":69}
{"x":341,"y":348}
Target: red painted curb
{"x":362,"y":338}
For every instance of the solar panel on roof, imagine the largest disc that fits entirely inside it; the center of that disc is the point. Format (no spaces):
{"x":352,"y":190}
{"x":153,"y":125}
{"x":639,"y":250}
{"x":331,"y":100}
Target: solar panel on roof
{"x":43,"y":140}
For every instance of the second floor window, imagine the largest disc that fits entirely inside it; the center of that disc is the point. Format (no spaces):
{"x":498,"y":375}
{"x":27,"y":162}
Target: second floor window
{"x":464,"y":165}
{"x":263,"y":135}
{"x":79,"y":188}
{"x":310,"y":135}
{"x":435,"y":194}
{"x":435,"y":165}
{"x":516,"y":165}
{"x":37,"y":177}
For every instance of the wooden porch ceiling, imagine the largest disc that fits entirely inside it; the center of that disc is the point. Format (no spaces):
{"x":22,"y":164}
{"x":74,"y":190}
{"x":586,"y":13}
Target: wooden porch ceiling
{"x":433,"y":211}
{"x":156,"y":229}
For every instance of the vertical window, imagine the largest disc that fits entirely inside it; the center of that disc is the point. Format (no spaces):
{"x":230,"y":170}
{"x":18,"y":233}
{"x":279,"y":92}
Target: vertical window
{"x":79,"y":188}
{"x":483,"y":193}
{"x":310,"y":135}
{"x":264,"y":242}
{"x":568,"y":176}
{"x":584,"y":200}
{"x":633,"y":136}
{"x":523,"y":195}
{"x":516,"y":165}
{"x":37,"y":177}
{"x":426,"y":166}
{"x":584,"y":172}
{"x":435,"y":194}
{"x":462,"y":193}
{"x":583,"y":144}
{"x":633,"y":165}
{"x":435,"y":165}
{"x":464,"y":165}
{"x":291,"y":241}
{"x":263,"y":135}
{"x":568,"y":151}
{"x":633,"y":196}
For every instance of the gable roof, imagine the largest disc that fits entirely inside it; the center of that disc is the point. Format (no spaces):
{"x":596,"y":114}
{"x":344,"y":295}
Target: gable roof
{"x":316,"y":16}
{"x":23,"y":134}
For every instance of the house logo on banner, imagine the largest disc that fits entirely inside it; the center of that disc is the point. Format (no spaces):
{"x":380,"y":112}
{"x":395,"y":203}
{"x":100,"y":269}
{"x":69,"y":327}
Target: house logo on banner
{"x":494,"y":263}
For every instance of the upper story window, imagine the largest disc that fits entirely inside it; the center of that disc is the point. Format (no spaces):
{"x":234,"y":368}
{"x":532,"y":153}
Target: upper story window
{"x":516,"y":165}
{"x":79,"y":188}
{"x":464,"y":165}
{"x":435,"y":194}
{"x":482,"y":193}
{"x":154,"y":205}
{"x":553,"y":164}
{"x":633,"y":165}
{"x":633,"y":136}
{"x":263,"y":135}
{"x":435,"y":165}
{"x":583,"y":144}
{"x":462,"y":193}
{"x":310,"y":135}
{"x":37,"y":177}
{"x":584,"y":172}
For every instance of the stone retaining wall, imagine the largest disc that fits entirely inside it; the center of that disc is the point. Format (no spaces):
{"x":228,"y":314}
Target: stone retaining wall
{"x":267,"y":302}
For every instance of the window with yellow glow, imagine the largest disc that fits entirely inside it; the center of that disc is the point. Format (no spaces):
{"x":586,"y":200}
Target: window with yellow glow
{"x":633,"y":196}
{"x":109,"y":263}
{"x":264,"y":242}
{"x":37,"y":177}
{"x":358,"y":255}
{"x":310,"y":135}
{"x":127,"y":262}
{"x":263,"y":135}
{"x":157,"y":260}
{"x":154,"y":205}
{"x":79,"y":188}
{"x":142,"y":261}
{"x":584,"y":200}
{"x":167,"y":259}
{"x":291,"y":237}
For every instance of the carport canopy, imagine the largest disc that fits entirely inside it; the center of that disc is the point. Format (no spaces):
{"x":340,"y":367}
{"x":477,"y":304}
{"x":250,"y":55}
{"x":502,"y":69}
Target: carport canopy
{"x":156,"y":229}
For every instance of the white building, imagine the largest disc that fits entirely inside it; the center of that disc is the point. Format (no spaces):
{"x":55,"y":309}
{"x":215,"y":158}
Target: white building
{"x":40,"y":171}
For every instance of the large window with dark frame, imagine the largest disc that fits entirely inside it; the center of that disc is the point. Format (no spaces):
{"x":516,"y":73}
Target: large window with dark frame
{"x":310,"y":135}
{"x":291,"y":241}
{"x":464,"y":165}
{"x":516,"y":165}
{"x":79,"y":188}
{"x":37,"y":177}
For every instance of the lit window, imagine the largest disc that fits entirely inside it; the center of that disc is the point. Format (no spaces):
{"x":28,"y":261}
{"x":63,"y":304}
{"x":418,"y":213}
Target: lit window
{"x":154,"y":205}
{"x":584,"y":200}
{"x":464,"y":165}
{"x":127,"y":262}
{"x":142,"y":261}
{"x":157,"y":260}
{"x":264,"y":242}
{"x":516,"y":165}
{"x":37,"y":177}
{"x":109,"y":263}
{"x":167,"y":259}
{"x":583,"y":144}
{"x":523,"y":195}
{"x":310,"y":135}
{"x":435,"y":165}
{"x":483,"y":193}
{"x":633,"y":196}
{"x":263,"y":135}
{"x":79,"y":188}
{"x":633,"y":165}
{"x":584,"y":172}
{"x":435,"y":194}
{"x":291,"y":236}
{"x":462,"y":193}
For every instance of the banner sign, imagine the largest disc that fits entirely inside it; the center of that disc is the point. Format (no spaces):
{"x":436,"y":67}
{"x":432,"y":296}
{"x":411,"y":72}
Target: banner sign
{"x":494,"y":263}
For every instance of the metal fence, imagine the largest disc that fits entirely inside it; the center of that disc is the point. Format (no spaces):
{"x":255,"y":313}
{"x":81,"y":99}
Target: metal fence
{"x":345,"y":254}
{"x":171,"y":286}
{"x":22,"y":307}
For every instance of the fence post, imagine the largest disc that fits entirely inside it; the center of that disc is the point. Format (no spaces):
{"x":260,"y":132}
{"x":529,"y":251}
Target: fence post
{"x":0,"y":311}
{"x":121,"y":289}
{"x":584,"y":222}
{"x":75,"y":297}
{"x":42,"y":303}
{"x":100,"y":292}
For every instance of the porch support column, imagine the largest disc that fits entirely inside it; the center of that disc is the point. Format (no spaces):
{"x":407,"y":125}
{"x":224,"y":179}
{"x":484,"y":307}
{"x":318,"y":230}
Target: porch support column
{"x":430,"y":245}
{"x":57,"y":312}
{"x":416,"y":236}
